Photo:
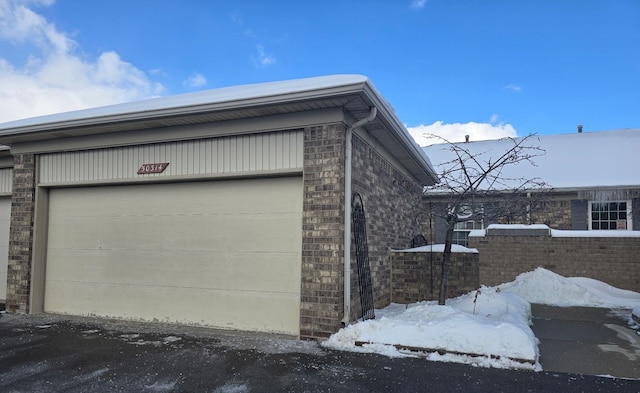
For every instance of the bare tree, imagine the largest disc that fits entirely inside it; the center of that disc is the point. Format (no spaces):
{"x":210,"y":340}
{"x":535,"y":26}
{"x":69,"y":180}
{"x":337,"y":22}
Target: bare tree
{"x":471,"y":177}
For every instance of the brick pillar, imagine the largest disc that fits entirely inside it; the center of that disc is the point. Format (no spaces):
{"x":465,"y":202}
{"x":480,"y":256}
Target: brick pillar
{"x":21,"y":234}
{"x":322,"y":292}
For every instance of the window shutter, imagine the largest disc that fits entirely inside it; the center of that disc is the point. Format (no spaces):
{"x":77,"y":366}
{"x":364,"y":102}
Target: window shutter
{"x":490,"y":213}
{"x":579,"y":213}
{"x":439,"y":223}
{"x":635,"y":213}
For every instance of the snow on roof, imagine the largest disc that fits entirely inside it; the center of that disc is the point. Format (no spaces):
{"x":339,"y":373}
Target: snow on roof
{"x":212,"y":96}
{"x":555,"y":232}
{"x":578,"y":160}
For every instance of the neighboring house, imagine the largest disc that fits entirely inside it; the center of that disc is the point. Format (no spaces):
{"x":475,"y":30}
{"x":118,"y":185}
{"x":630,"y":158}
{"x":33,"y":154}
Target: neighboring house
{"x":6,"y":179}
{"x":223,"y":208}
{"x":591,"y":209}
{"x":592,"y":177}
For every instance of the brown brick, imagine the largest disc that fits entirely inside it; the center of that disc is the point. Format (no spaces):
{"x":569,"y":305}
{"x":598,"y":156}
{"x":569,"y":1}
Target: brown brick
{"x":21,"y":234}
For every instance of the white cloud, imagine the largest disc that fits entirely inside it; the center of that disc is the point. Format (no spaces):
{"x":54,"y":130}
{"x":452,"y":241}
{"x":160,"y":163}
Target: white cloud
{"x":514,"y":88}
{"x":455,"y":132}
{"x":158,"y":72}
{"x":19,"y":25}
{"x":262,"y":59}
{"x":196,"y":80}
{"x":53,"y":77}
{"x":418,"y":3}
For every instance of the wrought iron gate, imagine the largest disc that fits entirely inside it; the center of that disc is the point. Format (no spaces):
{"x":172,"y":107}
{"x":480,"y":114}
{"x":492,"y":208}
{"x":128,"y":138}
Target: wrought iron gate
{"x":362,"y":256}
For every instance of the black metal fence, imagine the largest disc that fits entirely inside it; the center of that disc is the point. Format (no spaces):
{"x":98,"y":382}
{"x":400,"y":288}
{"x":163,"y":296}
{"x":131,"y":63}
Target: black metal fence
{"x":362,"y":255}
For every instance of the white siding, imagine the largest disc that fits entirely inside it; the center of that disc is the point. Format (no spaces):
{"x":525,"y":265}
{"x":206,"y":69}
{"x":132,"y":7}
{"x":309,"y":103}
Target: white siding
{"x":244,"y":154}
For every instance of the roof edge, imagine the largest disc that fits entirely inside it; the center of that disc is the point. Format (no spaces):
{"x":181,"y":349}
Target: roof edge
{"x":189,"y":103}
{"x":401,"y":132}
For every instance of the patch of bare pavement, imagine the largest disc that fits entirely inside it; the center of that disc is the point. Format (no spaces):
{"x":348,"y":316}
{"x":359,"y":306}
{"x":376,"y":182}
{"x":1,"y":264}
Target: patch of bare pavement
{"x":49,"y":353}
{"x":584,"y":340}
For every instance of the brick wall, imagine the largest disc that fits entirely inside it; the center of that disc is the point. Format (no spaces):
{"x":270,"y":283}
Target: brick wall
{"x":391,"y":200}
{"x":614,"y":260}
{"x":411,"y":275}
{"x":555,"y":213}
{"x":322,"y":298}
{"x":21,"y":234}
{"x":392,"y":203}
{"x":553,"y":210}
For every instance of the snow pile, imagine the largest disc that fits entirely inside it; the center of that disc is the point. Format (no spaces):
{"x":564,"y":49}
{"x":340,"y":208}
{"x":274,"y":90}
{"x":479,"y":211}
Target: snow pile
{"x":545,"y":287}
{"x":478,"y":328}
{"x":489,"y":327}
{"x":455,"y":248}
{"x":542,"y":286}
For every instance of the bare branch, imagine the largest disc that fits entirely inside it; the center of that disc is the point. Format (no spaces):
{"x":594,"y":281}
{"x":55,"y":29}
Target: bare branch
{"x":471,"y":176}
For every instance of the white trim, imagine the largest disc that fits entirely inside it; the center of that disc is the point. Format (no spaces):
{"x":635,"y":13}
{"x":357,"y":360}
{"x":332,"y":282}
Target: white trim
{"x":629,"y":216}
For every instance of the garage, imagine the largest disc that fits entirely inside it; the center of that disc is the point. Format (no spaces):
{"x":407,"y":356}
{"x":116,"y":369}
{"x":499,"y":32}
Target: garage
{"x":220,"y":253}
{"x":228,"y":207}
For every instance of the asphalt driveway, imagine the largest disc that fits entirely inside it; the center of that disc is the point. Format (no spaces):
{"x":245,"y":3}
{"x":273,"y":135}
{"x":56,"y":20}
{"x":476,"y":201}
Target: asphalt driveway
{"x":48,"y":353}
{"x":585,"y":340}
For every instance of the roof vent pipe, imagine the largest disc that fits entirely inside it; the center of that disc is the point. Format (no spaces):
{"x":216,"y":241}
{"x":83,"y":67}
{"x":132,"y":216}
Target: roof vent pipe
{"x":346,"y":318}
{"x":579,"y":128}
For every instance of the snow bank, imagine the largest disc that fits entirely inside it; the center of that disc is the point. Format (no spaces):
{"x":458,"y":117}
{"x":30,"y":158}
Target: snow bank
{"x":489,"y":327}
{"x":455,"y":248}
{"x":542,"y":286}
{"x":486,"y":327}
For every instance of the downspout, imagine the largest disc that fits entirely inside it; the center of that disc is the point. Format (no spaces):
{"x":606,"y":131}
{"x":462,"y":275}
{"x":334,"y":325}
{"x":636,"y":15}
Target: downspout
{"x":347,"y":212}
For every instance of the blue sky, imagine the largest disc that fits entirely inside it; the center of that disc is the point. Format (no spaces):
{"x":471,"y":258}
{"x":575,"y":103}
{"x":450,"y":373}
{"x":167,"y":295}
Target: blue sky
{"x":485,"y":68}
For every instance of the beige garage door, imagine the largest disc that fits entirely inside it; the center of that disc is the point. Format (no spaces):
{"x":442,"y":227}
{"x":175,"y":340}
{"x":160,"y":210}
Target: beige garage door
{"x":224,"y":254}
{"x":5,"y":216}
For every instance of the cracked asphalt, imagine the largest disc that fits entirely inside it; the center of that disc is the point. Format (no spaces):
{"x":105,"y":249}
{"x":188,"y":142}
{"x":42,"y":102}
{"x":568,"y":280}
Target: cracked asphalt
{"x":49,"y":353}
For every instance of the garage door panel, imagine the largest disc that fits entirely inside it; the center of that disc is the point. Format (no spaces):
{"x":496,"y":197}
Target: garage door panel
{"x":253,"y":232}
{"x":121,"y":240}
{"x":250,"y":232}
{"x":245,"y":271}
{"x":151,"y":199}
{"x":234,"y":310}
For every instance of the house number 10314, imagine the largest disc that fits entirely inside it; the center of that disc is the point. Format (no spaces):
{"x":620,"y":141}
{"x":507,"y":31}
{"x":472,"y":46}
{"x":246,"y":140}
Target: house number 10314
{"x":152,"y":168}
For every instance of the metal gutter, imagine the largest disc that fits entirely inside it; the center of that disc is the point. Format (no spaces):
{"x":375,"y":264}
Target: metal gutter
{"x":347,"y":212}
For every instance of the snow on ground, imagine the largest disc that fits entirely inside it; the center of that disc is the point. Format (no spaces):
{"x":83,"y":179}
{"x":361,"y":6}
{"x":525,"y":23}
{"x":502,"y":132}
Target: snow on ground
{"x":542,"y":286}
{"x":455,"y":248}
{"x":489,"y":327}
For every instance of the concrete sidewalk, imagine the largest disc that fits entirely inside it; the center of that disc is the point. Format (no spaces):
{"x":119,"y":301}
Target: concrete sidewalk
{"x":583,"y":340}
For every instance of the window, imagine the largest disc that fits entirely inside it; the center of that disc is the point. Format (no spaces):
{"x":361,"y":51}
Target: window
{"x":610,"y":215}
{"x":462,"y":229}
